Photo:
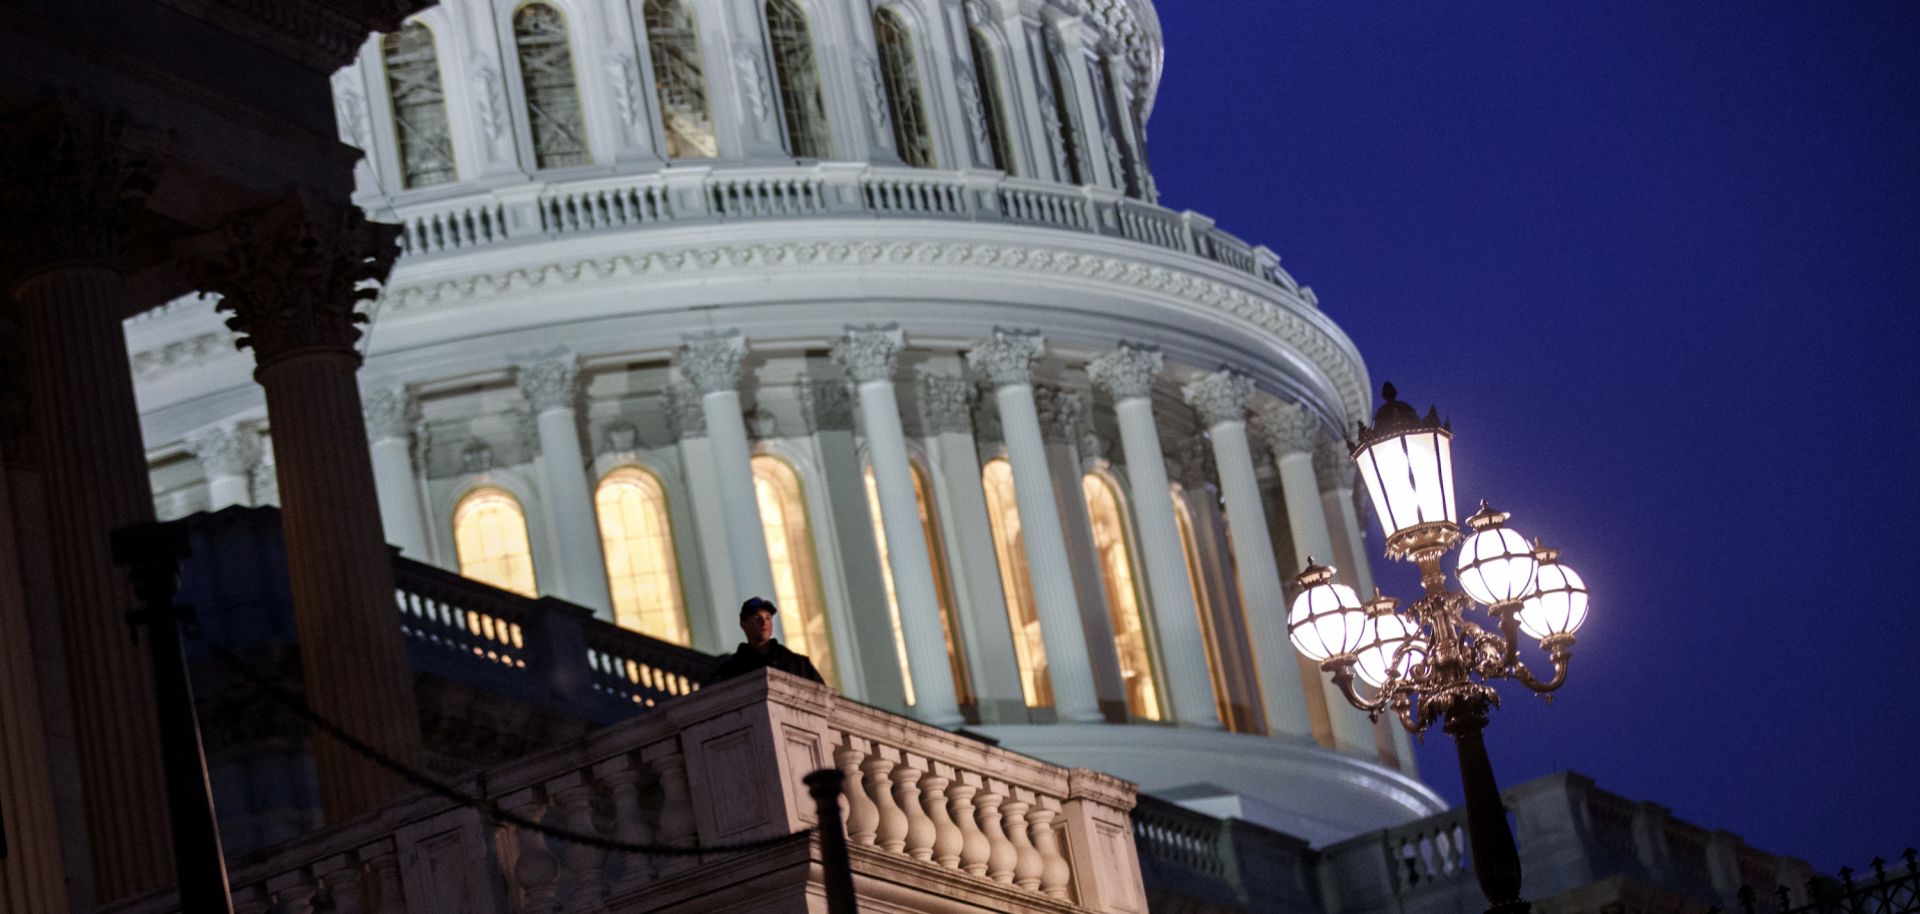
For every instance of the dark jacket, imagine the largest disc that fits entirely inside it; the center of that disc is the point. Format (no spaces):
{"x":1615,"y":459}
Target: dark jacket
{"x":777,"y":656}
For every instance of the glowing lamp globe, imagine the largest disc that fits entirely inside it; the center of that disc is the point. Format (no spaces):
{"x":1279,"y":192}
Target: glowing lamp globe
{"x":1396,"y":648}
{"x":1407,"y":462}
{"x":1558,"y":605}
{"x":1497,"y":567}
{"x":1327,"y":619}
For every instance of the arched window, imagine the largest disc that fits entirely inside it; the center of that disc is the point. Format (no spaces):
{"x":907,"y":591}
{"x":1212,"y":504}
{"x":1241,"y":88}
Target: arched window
{"x":553,"y":100}
{"x":1123,"y":596}
{"x":419,"y":106}
{"x":993,"y":104}
{"x":1029,"y":648}
{"x":911,"y":132}
{"x":956,"y":657}
{"x":490,"y":540}
{"x":679,"y":80}
{"x":1210,"y":636}
{"x":1060,"y":82}
{"x":796,"y":581}
{"x":799,"y":79}
{"x":637,"y":541}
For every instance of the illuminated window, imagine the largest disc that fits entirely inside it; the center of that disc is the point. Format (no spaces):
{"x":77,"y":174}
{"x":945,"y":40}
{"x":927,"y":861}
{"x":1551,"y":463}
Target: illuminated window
{"x":1123,"y":596}
{"x":955,"y":658}
{"x":793,"y":68}
{"x":986,"y":69}
{"x":1029,"y":648}
{"x":796,"y":582}
{"x":637,"y":541}
{"x":490,"y":540}
{"x":1060,"y":82}
{"x":1196,"y":575}
{"x":419,"y":106}
{"x":910,"y":130}
{"x":679,"y":81}
{"x":553,"y":101}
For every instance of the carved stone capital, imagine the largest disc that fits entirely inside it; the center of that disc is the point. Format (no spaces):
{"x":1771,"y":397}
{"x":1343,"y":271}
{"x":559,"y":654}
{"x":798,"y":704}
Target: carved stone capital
{"x":711,"y":361}
{"x":293,"y":275}
{"x":1007,"y":359}
{"x":828,"y":404}
{"x":1063,"y":414}
{"x":549,"y":381}
{"x":1288,"y":428}
{"x":389,"y":412}
{"x":71,"y":183}
{"x":684,"y":410}
{"x":225,"y":450}
{"x":1220,"y":397}
{"x":946,"y":403}
{"x":1333,"y":467}
{"x":1127,"y":372}
{"x":621,"y":438}
{"x":868,"y":353}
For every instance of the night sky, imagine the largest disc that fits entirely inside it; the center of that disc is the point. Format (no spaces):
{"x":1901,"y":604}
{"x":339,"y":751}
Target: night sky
{"x":1657,"y":262}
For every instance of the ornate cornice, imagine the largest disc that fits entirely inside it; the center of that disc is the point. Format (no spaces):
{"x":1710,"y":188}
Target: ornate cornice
{"x":549,"y":381}
{"x":711,"y":361}
{"x":225,"y":450}
{"x":1220,"y":397}
{"x":1007,"y":358}
{"x":1288,"y":428}
{"x":946,"y":403}
{"x":868,"y":353}
{"x":71,"y":183}
{"x":322,"y":35}
{"x":389,"y":412}
{"x":1127,"y":372}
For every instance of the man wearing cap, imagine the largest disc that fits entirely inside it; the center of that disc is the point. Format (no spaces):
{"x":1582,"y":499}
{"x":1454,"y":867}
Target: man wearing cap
{"x":761,"y":650}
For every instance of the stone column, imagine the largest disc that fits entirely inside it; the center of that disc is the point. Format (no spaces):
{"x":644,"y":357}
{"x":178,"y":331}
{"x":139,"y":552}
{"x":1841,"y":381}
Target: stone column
{"x":1064,"y":428}
{"x":1007,"y":362}
{"x":227,"y":454}
{"x":711,"y":363}
{"x":389,"y":415}
{"x":291,"y":274}
{"x":1221,"y":398}
{"x":549,"y":383}
{"x":1127,"y":375}
{"x":1336,"y":472}
{"x":867,"y":354}
{"x":1290,"y":431}
{"x":71,"y":184}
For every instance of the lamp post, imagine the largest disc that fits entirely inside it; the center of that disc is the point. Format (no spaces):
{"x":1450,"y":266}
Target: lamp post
{"x":1431,"y":661}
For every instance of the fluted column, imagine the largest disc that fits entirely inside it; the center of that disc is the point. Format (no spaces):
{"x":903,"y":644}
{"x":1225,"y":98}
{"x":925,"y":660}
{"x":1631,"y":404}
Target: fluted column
{"x":1221,"y":398}
{"x":1291,"y":431}
{"x":227,"y":454}
{"x":1007,"y":362}
{"x":291,"y":275}
{"x":70,"y":188}
{"x":1127,"y":375}
{"x":548,"y":383}
{"x":711,"y":363}
{"x":389,"y":415}
{"x":867,"y":354}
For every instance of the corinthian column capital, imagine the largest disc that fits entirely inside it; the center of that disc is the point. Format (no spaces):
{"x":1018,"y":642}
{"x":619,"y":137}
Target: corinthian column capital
{"x":549,"y":380}
{"x":1063,"y":413}
{"x":293,"y":275}
{"x":1127,"y":372}
{"x":226,"y":450}
{"x":1288,"y":428}
{"x":1333,"y":467}
{"x":868,"y":353}
{"x":946,"y":403}
{"x":1220,"y":397}
{"x":388,"y":411}
{"x":1007,"y":359}
{"x":71,"y":182}
{"x":711,"y":361}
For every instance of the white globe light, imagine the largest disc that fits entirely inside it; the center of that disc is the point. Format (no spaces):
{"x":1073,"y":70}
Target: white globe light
{"x":1327,"y":619}
{"x":1496,"y":564}
{"x":1391,"y":631}
{"x":1558,"y":605}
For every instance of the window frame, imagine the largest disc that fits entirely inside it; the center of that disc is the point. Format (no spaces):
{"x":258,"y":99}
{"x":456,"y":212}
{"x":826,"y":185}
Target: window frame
{"x":669,"y":546}
{"x":399,"y":124}
{"x":657,"y":71}
{"x":905,"y":88}
{"x":519,"y":505}
{"x":1158,"y":709}
{"x":818,"y":132}
{"x":526,"y":107}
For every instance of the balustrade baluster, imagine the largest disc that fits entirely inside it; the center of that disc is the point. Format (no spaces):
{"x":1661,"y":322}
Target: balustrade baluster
{"x":585,"y":889}
{"x":974,"y":847}
{"x":535,"y":871}
{"x":383,"y":862}
{"x":622,"y":778}
{"x":947,"y":839}
{"x":906,"y":786}
{"x":339,"y":877}
{"x":677,"y":826}
{"x":252,"y":899}
{"x":1055,"y":874}
{"x":892,"y":833}
{"x":292,"y":893}
{"x":1029,"y":864}
{"x":863,"y":818}
{"x":1002,"y":855}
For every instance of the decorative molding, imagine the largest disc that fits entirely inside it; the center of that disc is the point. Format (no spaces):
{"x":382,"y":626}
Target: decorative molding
{"x":946,"y":403}
{"x":489,"y":99}
{"x":549,"y":381}
{"x":1007,"y":358}
{"x":224,"y":450}
{"x":874,"y":93}
{"x":627,"y":97}
{"x":350,"y":109}
{"x":1191,"y":464}
{"x":1287,"y":428}
{"x":1220,"y":397}
{"x":621,"y":438}
{"x":987,"y":430}
{"x":389,"y":412}
{"x":752,"y":73}
{"x":975,"y":110}
{"x":476,"y":458}
{"x":868,"y":353}
{"x":149,"y":362}
{"x":1127,"y":372}
{"x":762,"y":424}
{"x":1063,"y":413}
{"x":711,"y":361}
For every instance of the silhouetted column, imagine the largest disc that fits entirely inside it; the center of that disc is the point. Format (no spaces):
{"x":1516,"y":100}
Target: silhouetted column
{"x":549,"y":384}
{"x":867,"y":355}
{"x":1127,"y":374}
{"x":291,"y":276}
{"x":227,"y":454}
{"x":1221,"y":398}
{"x":1007,"y":361}
{"x":711,"y":363}
{"x":389,"y":415}
{"x":69,"y":189}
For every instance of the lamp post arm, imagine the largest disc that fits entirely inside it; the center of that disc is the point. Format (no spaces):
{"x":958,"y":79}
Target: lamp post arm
{"x":1343,"y":678}
{"x":1560,"y":650}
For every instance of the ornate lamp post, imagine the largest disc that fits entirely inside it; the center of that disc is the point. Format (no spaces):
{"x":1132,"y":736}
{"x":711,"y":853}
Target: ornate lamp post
{"x":1431,"y":661}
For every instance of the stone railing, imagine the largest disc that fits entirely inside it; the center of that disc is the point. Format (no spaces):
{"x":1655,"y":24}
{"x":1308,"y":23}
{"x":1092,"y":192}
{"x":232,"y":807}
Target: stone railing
{"x":691,"y":196}
{"x":937,"y":822}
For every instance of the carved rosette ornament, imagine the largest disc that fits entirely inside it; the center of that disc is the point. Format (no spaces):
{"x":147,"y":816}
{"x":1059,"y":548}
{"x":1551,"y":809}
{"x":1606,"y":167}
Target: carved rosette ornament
{"x":711,"y":362}
{"x":388,"y":411}
{"x":1220,"y":397}
{"x":1288,"y":428}
{"x":549,"y":381}
{"x":1007,"y":359}
{"x":71,"y":183}
{"x":946,"y":403}
{"x":1127,"y":373}
{"x":293,"y":275}
{"x":226,"y":450}
{"x":868,"y":354}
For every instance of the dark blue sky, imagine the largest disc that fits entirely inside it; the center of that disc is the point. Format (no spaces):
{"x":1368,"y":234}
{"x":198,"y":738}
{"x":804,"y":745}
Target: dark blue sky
{"x":1658,"y":261}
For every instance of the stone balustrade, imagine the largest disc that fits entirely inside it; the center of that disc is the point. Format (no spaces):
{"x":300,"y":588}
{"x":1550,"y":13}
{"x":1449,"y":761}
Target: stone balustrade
{"x":937,"y":822}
